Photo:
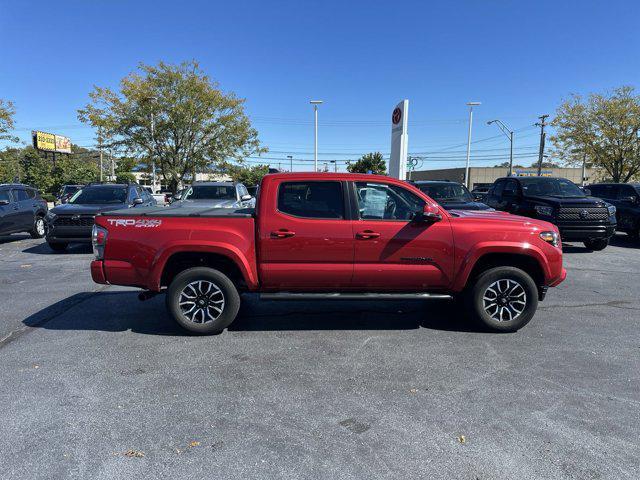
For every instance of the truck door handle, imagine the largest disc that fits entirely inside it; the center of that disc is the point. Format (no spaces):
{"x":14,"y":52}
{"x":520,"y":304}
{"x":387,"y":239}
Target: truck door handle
{"x":282,"y":233}
{"x":367,"y":234}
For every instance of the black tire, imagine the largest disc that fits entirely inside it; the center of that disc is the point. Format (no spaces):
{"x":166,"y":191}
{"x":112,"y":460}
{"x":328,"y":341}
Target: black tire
{"x":39,"y":227}
{"x":57,"y":247}
{"x":597,"y":244}
{"x":210,"y":325}
{"x":485,"y":315}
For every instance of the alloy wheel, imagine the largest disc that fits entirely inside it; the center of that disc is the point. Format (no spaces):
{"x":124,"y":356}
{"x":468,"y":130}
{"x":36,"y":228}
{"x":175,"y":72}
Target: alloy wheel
{"x":504,"y":300}
{"x":201,"y":301}
{"x":40,"y":226}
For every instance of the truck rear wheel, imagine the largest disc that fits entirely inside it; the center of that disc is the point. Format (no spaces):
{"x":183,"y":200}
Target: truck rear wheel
{"x":203,"y":300}
{"x":503,"y":299}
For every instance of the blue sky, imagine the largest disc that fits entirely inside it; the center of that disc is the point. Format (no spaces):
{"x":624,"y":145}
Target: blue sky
{"x":520,"y":59}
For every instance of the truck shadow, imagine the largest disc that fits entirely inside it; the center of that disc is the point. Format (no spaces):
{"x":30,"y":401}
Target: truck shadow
{"x":73,"y":249}
{"x":122,"y":311}
{"x":12,"y":238}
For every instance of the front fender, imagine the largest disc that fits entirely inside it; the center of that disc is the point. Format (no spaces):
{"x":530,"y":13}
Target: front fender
{"x":518,"y":248}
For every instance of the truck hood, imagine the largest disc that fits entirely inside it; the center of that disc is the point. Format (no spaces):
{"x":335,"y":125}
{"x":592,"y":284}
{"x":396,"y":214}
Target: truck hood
{"x":75,"y":209}
{"x":462,"y":205}
{"x":576,"y":201}
{"x":497,"y":216}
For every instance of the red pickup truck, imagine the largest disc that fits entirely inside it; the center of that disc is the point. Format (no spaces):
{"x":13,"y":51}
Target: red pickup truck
{"x":324,"y":235}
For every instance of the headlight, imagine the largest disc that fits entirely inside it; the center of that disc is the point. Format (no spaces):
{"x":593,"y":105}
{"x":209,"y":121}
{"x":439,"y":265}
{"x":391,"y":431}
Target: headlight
{"x":544,"y":210}
{"x":612,"y":210}
{"x":550,"y":237}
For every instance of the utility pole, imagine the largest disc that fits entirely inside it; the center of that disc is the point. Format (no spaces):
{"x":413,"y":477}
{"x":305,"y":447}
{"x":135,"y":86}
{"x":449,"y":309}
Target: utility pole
{"x":542,"y":123}
{"x":290,"y":157}
{"x":315,"y":104}
{"x":584,"y":167}
{"x":466,"y":171}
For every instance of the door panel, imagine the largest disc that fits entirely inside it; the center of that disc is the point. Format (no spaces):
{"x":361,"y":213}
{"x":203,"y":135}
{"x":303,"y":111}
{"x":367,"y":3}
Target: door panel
{"x":6,"y":213}
{"x":391,"y":251}
{"x":307,"y":244}
{"x":23,"y":214}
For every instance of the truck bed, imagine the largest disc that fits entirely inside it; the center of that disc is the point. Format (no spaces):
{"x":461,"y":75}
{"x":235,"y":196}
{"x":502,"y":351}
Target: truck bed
{"x":182,"y":210}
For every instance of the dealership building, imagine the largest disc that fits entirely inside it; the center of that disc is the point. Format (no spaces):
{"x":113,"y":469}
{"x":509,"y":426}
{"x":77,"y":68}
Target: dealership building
{"x":484,"y":176}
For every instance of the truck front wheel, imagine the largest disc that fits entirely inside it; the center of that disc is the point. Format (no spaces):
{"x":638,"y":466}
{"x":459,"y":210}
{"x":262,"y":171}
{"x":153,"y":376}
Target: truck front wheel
{"x":503,"y":299}
{"x":203,"y":300}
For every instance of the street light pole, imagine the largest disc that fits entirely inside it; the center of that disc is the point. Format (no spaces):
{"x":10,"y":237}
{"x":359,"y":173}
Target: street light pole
{"x":315,"y":104}
{"x":290,"y":157}
{"x":153,"y":161}
{"x":509,"y":133}
{"x":466,"y":171}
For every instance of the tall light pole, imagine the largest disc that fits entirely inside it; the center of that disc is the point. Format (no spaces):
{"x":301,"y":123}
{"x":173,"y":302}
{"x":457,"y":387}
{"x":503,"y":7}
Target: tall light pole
{"x":315,"y":104}
{"x":290,"y":157}
{"x":509,"y":133}
{"x":466,"y":171}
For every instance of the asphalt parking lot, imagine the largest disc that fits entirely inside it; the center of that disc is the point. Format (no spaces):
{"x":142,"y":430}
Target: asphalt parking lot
{"x":95,"y":384}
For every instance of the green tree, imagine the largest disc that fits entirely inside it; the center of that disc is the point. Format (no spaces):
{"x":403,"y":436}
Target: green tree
{"x":197,"y":126}
{"x":7,"y":111}
{"x":10,"y":168}
{"x":604,"y":128}
{"x":369,"y":162}
{"x":37,"y":170}
{"x":250,"y":176}
{"x":124,"y":167}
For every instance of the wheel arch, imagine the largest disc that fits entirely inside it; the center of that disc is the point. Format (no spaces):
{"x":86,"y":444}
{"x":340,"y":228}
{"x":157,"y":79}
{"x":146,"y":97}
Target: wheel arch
{"x":530,"y":260}
{"x":173,"y":260}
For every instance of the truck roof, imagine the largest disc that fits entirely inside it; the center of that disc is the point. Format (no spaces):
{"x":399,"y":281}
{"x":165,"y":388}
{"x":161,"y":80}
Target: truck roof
{"x":332,"y":176}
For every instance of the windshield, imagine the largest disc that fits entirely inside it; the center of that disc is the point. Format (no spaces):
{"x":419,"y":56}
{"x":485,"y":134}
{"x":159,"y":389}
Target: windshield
{"x":551,"y":187}
{"x":99,"y":195}
{"x":70,"y":189}
{"x":211,"y":192}
{"x":447,"y":192}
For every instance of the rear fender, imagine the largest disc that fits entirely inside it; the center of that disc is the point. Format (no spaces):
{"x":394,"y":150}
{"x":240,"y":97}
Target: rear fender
{"x":244,"y":264}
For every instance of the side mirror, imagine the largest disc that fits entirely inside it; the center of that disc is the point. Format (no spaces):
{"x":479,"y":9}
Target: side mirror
{"x":429,"y":214}
{"x":138,"y":201}
{"x":587,"y":192}
{"x":246,"y":198}
{"x":177,"y":197}
{"x":4,"y":202}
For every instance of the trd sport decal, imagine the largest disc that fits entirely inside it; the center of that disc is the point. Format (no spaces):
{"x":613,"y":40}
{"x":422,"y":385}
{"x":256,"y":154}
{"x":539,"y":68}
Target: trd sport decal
{"x":125,"y":222}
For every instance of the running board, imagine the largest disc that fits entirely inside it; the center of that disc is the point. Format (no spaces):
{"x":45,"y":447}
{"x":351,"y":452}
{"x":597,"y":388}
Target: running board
{"x":353,"y":296}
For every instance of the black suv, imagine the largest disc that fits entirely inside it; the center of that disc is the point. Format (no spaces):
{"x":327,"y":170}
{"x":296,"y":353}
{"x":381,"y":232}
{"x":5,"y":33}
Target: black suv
{"x":72,"y":222}
{"x":451,"y":195}
{"x":626,"y":198}
{"x":559,"y":201}
{"x":21,"y":210}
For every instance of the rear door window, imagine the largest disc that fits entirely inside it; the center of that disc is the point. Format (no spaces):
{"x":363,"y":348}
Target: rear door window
{"x":626,"y":191}
{"x":311,"y":199}
{"x":20,"y":195}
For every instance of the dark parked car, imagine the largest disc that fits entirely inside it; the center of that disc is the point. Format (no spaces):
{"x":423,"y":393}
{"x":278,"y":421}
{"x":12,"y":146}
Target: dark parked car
{"x":66,"y":192}
{"x":626,"y":198}
{"x":451,"y":195}
{"x":218,"y":195}
{"x":559,"y":201}
{"x":72,"y":222}
{"x":22,"y":209}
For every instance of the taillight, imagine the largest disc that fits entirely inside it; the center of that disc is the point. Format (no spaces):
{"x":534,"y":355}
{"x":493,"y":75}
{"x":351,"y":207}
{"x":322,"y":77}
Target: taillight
{"x":99,"y":241}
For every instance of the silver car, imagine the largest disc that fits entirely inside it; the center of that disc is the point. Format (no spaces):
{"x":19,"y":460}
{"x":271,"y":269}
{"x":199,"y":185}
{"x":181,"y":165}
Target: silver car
{"x":218,"y":195}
